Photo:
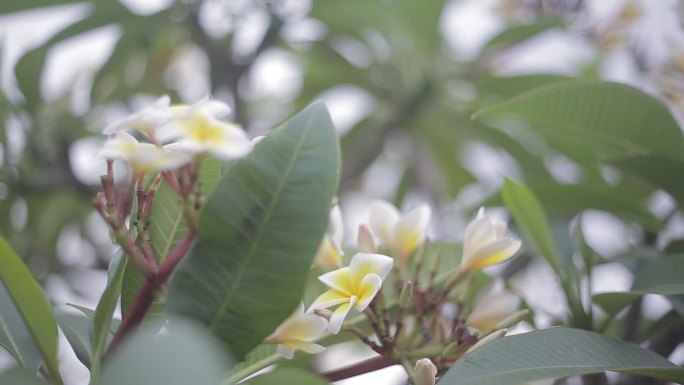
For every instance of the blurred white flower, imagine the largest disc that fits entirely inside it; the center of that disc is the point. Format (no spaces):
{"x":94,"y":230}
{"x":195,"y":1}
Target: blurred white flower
{"x":141,"y":157}
{"x":197,"y":129}
{"x":352,"y":286}
{"x":145,"y":120}
{"x":401,"y":234}
{"x":297,"y":333}
{"x":329,"y":255}
{"x":491,"y":309}
{"x":486,"y":244}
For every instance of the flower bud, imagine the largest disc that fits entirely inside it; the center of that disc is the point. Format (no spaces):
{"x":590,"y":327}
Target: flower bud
{"x":365,"y":240}
{"x":406,"y":295}
{"x":512,"y":319}
{"x":325,"y":313}
{"x":492,"y":337}
{"x":425,"y":372}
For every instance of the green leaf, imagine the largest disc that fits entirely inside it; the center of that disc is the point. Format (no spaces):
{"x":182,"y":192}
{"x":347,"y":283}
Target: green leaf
{"x":661,"y":172}
{"x":104,"y":313}
{"x":288,"y":376}
{"x":32,"y":306}
{"x":661,"y":276}
{"x":508,"y":87}
{"x":556,"y":353}
{"x":614,"y":120}
{"x":76,"y":329}
{"x":517,"y":34}
{"x":167,"y":228}
{"x":531,"y":218}
{"x":259,"y":232}
{"x":15,"y":336}
{"x":186,"y":354}
{"x":20,"y":377}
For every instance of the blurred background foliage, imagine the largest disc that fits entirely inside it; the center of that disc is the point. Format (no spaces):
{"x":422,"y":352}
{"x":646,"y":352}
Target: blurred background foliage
{"x":402,"y":78}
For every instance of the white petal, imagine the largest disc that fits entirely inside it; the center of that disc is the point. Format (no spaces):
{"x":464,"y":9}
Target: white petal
{"x":411,"y":230}
{"x":382,"y":218}
{"x":491,"y":253}
{"x":335,"y":323}
{"x":310,"y":347}
{"x":368,"y":288}
{"x":335,"y":226}
{"x":363,"y":264}
{"x":285,"y":351}
{"x":478,"y":232}
{"x":214,"y":108}
{"x":499,"y":228}
{"x":327,"y":299}
{"x":492,"y":309}
{"x":339,"y":280}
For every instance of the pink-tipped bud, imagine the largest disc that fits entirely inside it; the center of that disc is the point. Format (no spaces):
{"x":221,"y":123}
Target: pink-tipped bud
{"x":426,"y":372}
{"x":365,"y":240}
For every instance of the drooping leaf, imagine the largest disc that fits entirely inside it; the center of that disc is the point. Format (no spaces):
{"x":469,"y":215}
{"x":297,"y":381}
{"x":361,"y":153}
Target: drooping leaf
{"x":76,"y":328}
{"x":14,"y":335}
{"x":556,"y":353}
{"x":608,"y":120}
{"x":31,"y":304}
{"x":529,"y":214}
{"x":186,"y":354}
{"x":287,"y":376}
{"x":258,"y":233}
{"x":104,"y":313}
{"x":661,"y":276}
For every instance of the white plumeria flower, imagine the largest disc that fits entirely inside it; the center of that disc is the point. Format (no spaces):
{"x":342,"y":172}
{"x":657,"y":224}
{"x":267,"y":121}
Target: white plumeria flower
{"x":401,"y":234}
{"x":145,"y":120}
{"x":352,"y":286}
{"x":329,"y":255}
{"x":491,"y":309}
{"x":297,"y":333}
{"x":142,"y":157}
{"x":197,"y":129}
{"x":486,"y":243}
{"x":426,"y":372}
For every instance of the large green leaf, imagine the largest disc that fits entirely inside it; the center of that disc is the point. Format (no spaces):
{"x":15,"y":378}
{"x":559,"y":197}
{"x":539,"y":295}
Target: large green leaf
{"x":517,"y":34}
{"x":25,"y":5}
{"x":31,"y":305}
{"x":613,"y":120}
{"x":259,"y":231}
{"x":531,"y":218}
{"x":556,"y":353}
{"x":167,"y":227}
{"x":186,"y":354}
{"x":660,"y":171}
{"x":14,"y":336}
{"x":287,"y":376}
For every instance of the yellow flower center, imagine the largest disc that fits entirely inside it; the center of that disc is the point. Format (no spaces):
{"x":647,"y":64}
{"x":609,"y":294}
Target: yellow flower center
{"x":203,"y":130}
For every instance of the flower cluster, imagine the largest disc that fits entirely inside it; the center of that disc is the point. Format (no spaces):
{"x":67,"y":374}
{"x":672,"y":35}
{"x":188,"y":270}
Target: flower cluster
{"x":392,"y":244}
{"x":172,"y":135}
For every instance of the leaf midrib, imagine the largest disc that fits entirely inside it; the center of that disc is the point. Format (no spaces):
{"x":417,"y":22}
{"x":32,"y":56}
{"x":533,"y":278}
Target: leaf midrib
{"x":250,"y":254}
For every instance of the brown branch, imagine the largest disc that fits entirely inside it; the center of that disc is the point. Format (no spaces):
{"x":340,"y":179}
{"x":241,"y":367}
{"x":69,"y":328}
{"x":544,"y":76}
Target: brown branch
{"x":370,"y":365}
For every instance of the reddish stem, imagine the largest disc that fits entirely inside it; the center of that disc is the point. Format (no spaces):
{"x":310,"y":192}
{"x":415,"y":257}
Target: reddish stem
{"x":366,"y":366}
{"x":145,"y":295}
